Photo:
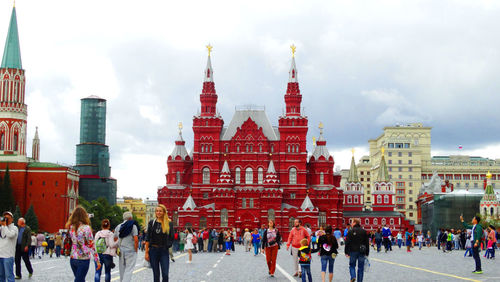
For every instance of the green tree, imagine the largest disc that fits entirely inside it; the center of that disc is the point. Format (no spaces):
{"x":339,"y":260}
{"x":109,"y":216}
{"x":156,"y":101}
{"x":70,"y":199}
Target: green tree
{"x":7,"y":202}
{"x":17,"y":214}
{"x":31,"y":219}
{"x":101,"y":209}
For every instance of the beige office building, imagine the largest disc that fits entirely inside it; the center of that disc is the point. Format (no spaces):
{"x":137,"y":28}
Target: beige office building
{"x":409,"y":161}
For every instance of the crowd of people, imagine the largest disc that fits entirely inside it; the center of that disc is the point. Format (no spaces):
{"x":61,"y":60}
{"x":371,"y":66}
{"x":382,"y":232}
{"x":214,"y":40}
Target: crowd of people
{"x":159,"y":240}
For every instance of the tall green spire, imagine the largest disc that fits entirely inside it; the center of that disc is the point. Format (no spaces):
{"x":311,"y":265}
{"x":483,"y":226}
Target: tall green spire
{"x":383,"y":173}
{"x":12,"y":52}
{"x":489,"y":188}
{"x":353,"y":172}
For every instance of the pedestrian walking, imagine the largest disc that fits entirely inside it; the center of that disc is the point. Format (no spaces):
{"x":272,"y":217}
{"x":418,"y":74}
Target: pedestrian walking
{"x":296,"y":235}
{"x":82,"y":243}
{"x":271,"y":242}
{"x":378,"y":240}
{"x":106,"y":245}
{"x":420,"y":240}
{"x":477,"y":233}
{"x":51,"y":245}
{"x":408,"y":237}
{"x":33,"y":245}
{"x":182,"y":241}
{"x":468,"y":244}
{"x":304,"y":255}
{"x":59,"y":244}
{"x":386,"y":233}
{"x":256,"y":241}
{"x":40,"y":239}
{"x":8,"y":240}
{"x":159,"y":239}
{"x":128,"y":242}
{"x":399,"y":237}
{"x":356,"y":249}
{"x":190,"y":243}
{"x":247,"y":239}
{"x":328,"y":250}
{"x":22,"y":248}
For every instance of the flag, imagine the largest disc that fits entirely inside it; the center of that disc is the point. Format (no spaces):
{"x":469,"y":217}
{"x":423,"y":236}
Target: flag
{"x":460,"y":147}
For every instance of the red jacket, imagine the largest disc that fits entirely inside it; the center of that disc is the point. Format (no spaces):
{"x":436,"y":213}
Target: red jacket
{"x":205,"y":235}
{"x":296,"y":235}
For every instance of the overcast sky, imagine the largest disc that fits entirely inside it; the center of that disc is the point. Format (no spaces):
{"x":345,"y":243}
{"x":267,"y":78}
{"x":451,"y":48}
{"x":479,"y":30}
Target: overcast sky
{"x":362,"y":65}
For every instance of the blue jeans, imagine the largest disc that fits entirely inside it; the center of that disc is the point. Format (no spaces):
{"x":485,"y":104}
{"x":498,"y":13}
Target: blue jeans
{"x":80,"y":267}
{"x":58,"y":251}
{"x":209,"y":245}
{"x":159,"y":257}
{"x":356,"y":257}
{"x":468,"y":251}
{"x":256,"y":247}
{"x":106,"y":261}
{"x":400,"y":242}
{"x":7,"y":269}
{"x":379,"y":244}
{"x":327,"y":260}
{"x":306,"y":271}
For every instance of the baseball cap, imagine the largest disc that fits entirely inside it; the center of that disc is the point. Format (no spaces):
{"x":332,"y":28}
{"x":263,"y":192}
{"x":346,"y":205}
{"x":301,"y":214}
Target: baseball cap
{"x":7,"y":212}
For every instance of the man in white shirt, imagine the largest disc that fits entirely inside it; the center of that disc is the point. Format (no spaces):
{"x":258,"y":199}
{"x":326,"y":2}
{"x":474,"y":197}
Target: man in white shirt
{"x":8,"y":239}
{"x":127,"y":233}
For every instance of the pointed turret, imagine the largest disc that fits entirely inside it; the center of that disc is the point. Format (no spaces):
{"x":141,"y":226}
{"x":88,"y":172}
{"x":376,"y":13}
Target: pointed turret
{"x":353,"y":172}
{"x":225,"y":175}
{"x":36,"y":147}
{"x":208,"y":95}
{"x":383,"y":172}
{"x":489,"y":204}
{"x":271,"y":177}
{"x":189,"y":204}
{"x":180,"y":148}
{"x":293,"y":98}
{"x":320,"y":150}
{"x":307,"y":204}
{"x":12,"y":53}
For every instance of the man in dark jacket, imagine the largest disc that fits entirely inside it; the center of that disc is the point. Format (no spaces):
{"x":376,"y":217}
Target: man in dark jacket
{"x":22,"y":247}
{"x":356,"y":248}
{"x":477,"y":235}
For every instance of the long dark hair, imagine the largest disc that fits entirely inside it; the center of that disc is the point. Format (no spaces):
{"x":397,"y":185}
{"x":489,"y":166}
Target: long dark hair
{"x":329,"y":235}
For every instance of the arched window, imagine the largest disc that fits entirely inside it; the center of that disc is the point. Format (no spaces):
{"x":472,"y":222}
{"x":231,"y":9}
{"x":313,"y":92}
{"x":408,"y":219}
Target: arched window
{"x":270,"y":215}
{"x":292,"y":176}
{"x":206,"y":175}
{"x":227,"y":148}
{"x":203,"y":222}
{"x":291,"y":222}
{"x":321,"y":178}
{"x":223,"y":218}
{"x":272,"y":148}
{"x":375,"y":221}
{"x":237,"y":175}
{"x":260,"y":148}
{"x":2,"y":141}
{"x":367,"y":221}
{"x":260,"y":175}
{"x":16,"y":137}
{"x":386,"y":199}
{"x":203,"y":148}
{"x":355,"y":199}
{"x":175,"y":219}
{"x":383,"y":221}
{"x":249,"y":176}
{"x":391,"y":221}
{"x":288,"y":148}
{"x":178,"y":177}
{"x":237,"y":148}
{"x":349,"y":199}
{"x":492,"y":211}
{"x":210,"y":148}
{"x":379,"y":199}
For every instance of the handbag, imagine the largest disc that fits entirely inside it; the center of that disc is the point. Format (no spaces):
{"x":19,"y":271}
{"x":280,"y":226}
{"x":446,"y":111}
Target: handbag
{"x":334,"y":255}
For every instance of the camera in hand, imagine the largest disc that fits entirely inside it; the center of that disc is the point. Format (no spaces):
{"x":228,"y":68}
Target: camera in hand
{"x":2,"y":219}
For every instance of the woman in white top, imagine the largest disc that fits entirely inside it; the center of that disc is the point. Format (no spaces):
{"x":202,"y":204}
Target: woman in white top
{"x":189,"y":244}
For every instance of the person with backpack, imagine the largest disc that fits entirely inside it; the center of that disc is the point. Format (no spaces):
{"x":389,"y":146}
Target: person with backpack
{"x":191,"y":241}
{"x":327,"y":247}
{"x":127,"y":233}
{"x":158,"y":242}
{"x":105,"y":246}
{"x":304,"y":255}
{"x":357,"y":248}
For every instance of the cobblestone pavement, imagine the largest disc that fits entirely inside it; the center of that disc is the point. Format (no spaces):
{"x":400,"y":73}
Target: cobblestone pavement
{"x":419,"y":265}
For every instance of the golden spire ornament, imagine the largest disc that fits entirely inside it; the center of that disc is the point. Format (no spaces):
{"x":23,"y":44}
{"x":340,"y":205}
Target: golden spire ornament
{"x":352,"y":150}
{"x":382,"y":150}
{"x":293,"y":47}
{"x":180,"y":126}
{"x":209,"y":48}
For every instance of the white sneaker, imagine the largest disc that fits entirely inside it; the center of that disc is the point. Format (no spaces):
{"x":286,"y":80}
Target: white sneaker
{"x":188,"y":261}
